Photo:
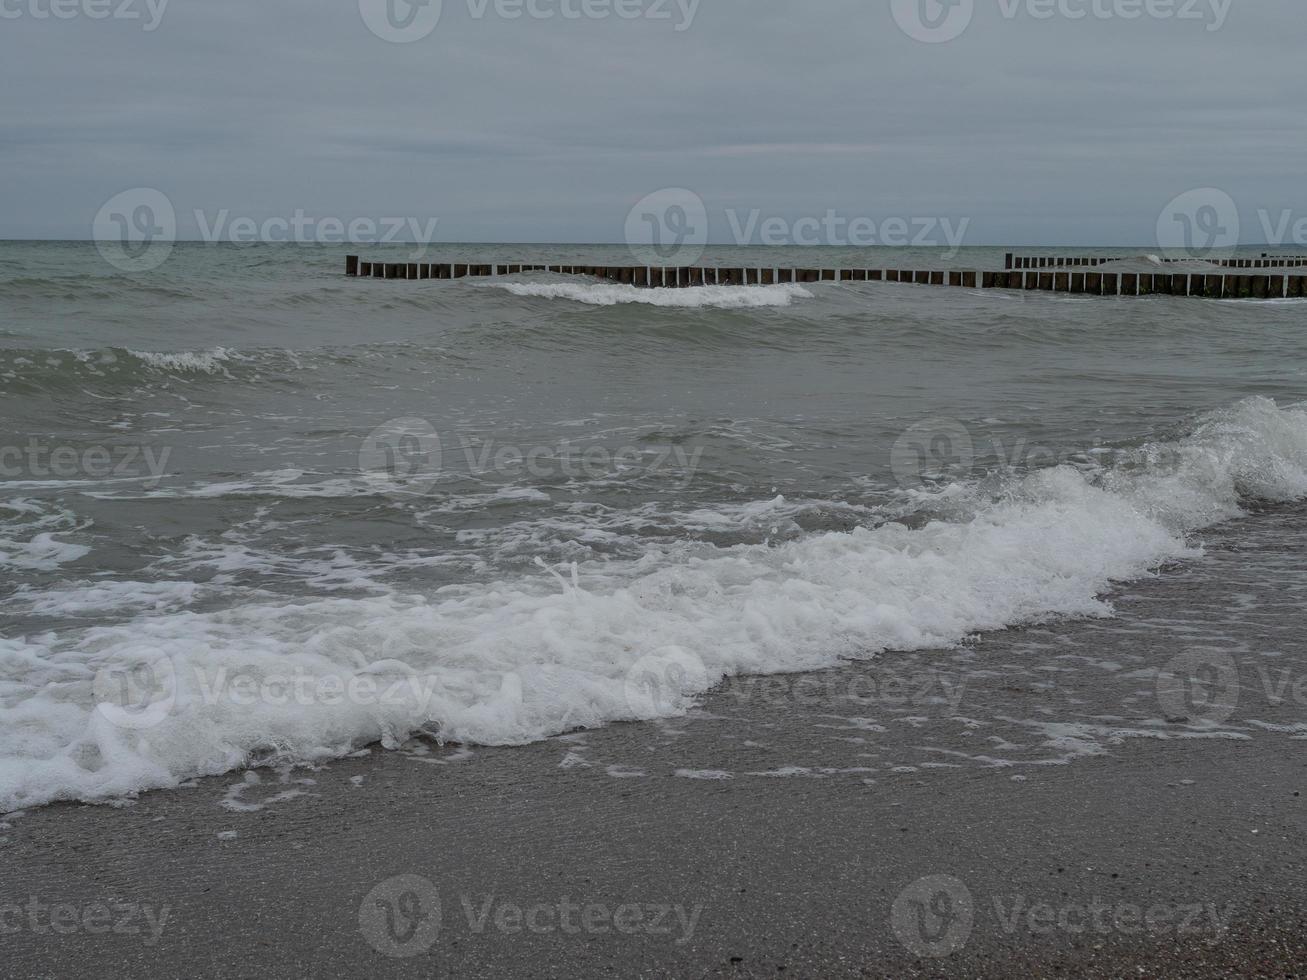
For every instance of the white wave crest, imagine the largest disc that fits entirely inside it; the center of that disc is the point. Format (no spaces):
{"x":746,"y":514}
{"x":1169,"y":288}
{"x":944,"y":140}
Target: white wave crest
{"x":518,"y":660}
{"x":614,"y":294}
{"x":197,"y":361}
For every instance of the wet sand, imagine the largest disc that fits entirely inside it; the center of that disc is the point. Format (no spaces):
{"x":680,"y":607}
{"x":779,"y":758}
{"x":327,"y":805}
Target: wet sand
{"x":1037,"y":803}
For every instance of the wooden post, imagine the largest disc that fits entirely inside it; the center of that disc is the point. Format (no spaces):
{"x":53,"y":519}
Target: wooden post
{"x":378,"y":270}
{"x":768,"y":277}
{"x":1077,"y":282}
{"x":1180,"y":284}
{"x":751,"y":276}
{"x":1008,"y":262}
{"x":921,"y":277}
{"x":1046,"y":281}
{"x":412,"y":270}
{"x":827,"y":275}
{"x":784,"y":275}
{"x":937,"y":277}
{"x":424,"y":270}
{"x":1129,"y":284}
{"x":351,"y":265}
{"x":1094,"y":283}
{"x":954,"y":278}
{"x":968,"y":280}
{"x":1261,"y":287}
{"x":365,"y":269}
{"x":1111,"y":283}
{"x":1061,"y":282}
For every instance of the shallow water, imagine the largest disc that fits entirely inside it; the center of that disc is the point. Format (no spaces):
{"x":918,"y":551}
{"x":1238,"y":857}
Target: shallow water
{"x":251,"y":510}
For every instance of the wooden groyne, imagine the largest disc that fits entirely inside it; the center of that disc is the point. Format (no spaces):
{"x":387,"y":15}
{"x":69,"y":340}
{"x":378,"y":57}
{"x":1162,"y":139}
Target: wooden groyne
{"x":1195,"y":284}
{"x":1049,"y":262}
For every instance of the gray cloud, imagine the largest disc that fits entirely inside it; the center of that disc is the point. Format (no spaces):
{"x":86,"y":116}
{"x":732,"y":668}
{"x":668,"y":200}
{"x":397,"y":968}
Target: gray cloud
{"x":1040,"y":131}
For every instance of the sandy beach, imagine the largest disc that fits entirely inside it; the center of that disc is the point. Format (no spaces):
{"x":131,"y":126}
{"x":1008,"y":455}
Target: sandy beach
{"x":857,"y":822}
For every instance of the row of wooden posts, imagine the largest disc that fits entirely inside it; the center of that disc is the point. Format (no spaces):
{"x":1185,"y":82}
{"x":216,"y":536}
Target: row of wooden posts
{"x":1216,"y":286}
{"x":1047,"y":262}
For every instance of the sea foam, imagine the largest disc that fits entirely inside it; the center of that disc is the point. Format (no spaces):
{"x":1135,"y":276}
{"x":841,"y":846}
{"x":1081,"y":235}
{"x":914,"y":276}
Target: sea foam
{"x":716,"y":297}
{"x":522,"y":659}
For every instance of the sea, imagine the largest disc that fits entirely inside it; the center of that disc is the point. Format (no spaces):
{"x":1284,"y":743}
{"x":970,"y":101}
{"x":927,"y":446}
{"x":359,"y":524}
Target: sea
{"x":256,"y":513}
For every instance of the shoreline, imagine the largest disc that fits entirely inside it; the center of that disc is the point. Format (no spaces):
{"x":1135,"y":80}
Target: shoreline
{"x":1022,"y":803}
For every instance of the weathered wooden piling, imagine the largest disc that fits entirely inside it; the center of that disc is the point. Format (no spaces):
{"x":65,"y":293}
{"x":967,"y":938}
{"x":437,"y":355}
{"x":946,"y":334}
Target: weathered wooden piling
{"x":1026,"y":276}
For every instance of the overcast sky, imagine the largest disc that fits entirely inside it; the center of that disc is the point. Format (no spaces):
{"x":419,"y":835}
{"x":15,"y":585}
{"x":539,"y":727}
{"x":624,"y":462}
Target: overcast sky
{"x":1035,"y":129}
